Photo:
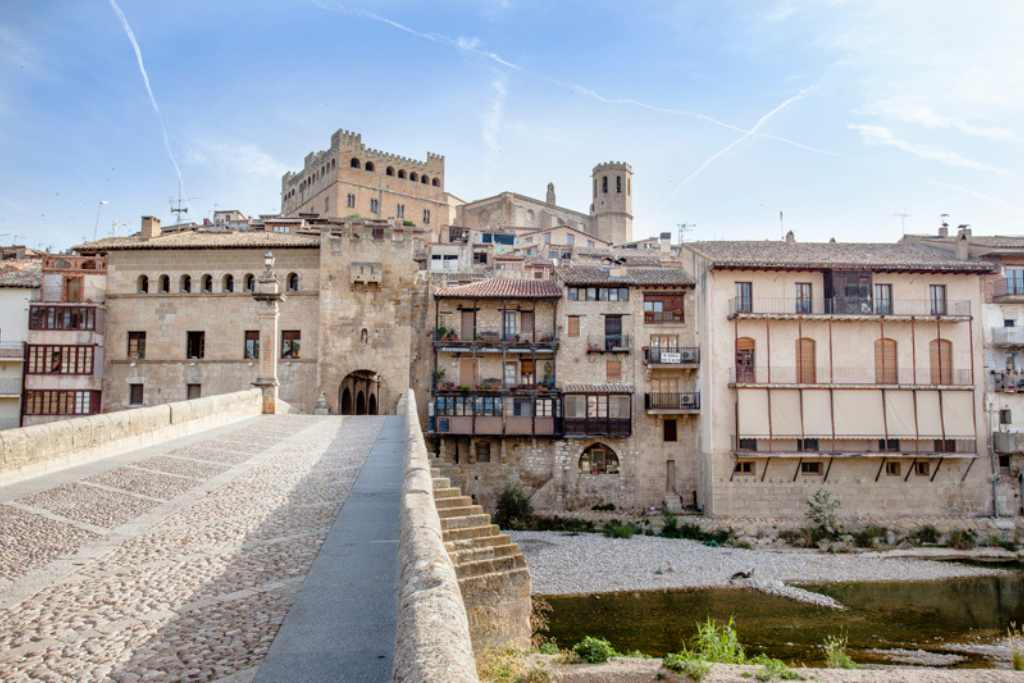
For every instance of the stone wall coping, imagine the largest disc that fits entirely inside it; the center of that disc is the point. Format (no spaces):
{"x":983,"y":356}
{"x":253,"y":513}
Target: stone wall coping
{"x":433,"y":644}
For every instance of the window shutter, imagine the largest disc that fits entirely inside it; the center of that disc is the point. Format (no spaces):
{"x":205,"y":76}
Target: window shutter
{"x":885,"y":361}
{"x":805,"y":361}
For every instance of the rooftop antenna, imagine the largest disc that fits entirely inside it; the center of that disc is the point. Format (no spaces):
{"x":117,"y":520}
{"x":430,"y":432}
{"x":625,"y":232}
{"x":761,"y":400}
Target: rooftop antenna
{"x":782,"y":227}
{"x":903,"y":216}
{"x":178,"y":206}
{"x":685,"y":228}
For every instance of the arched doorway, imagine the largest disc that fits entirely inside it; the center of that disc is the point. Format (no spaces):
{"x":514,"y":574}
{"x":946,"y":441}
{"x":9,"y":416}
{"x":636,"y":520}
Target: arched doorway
{"x":359,"y":393}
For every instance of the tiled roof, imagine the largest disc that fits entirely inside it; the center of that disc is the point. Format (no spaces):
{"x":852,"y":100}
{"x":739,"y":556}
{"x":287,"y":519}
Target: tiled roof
{"x":998,"y":241}
{"x":199,"y":239}
{"x":597,"y":389}
{"x":780,"y":254}
{"x":500,"y":288}
{"x":595,"y":275}
{"x":21,"y":273}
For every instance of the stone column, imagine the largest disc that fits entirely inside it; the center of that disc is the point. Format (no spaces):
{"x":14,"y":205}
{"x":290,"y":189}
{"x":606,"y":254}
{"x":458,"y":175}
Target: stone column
{"x":268,"y":298}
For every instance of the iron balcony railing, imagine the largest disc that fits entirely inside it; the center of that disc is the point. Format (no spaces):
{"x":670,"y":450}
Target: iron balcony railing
{"x":608,"y":342}
{"x":672,"y":401}
{"x":672,"y":355}
{"x":842,"y":375}
{"x":839,"y":306}
{"x":10,"y":350}
{"x":1008,"y":336}
{"x":1008,"y":381}
{"x":810,"y":447}
{"x":1008,"y":286}
{"x":495,"y":337}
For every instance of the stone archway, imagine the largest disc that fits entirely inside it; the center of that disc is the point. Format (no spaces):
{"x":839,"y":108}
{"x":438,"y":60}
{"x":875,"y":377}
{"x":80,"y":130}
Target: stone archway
{"x":360,"y":393}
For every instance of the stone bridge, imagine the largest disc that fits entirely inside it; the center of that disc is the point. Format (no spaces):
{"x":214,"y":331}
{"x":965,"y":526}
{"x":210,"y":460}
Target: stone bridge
{"x":202,"y":541}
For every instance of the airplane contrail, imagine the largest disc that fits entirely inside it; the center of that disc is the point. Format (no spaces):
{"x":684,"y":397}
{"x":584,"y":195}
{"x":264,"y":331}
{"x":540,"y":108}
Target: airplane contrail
{"x":149,"y":90}
{"x":746,"y":136}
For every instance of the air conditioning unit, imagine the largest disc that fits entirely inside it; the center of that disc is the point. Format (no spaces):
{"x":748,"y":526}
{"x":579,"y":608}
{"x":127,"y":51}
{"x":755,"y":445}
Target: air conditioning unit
{"x":690,"y":355}
{"x":689,"y":400}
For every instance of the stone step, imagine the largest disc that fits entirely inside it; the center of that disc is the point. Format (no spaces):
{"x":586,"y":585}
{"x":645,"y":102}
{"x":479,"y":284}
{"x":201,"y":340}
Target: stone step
{"x":464,"y":511}
{"x":470,"y":532}
{"x":486,"y":553}
{"x":453,"y":502}
{"x":471,"y":583}
{"x":478,"y":542}
{"x":446,"y":492}
{"x":464,"y":521}
{"x":494,"y":566}
{"x":442,"y":483}
{"x":435,"y":471}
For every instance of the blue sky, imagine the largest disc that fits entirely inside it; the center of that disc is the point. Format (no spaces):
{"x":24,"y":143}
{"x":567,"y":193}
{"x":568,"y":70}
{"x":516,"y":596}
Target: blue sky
{"x":840,"y":114}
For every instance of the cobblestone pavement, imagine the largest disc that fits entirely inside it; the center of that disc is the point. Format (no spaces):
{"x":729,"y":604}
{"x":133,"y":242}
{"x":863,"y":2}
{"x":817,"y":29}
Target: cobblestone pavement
{"x":175,"y":563}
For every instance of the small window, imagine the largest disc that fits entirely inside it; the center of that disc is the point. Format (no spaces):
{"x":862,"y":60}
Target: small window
{"x":293,"y":282}
{"x":748,"y":444}
{"x":937,"y":297}
{"x":424,"y":180}
{"x":744,"y":467}
{"x":251,"y":349}
{"x":483,"y":451}
{"x":390,"y":170}
{"x":414,"y":176}
{"x":1005,"y":416}
{"x":613,"y":371}
{"x":369,"y":166}
{"x":207,"y":284}
{"x":137,"y":345}
{"x":618,"y":184}
{"x":810,"y":468}
{"x":426,"y":216}
{"x":400,"y":210}
{"x":435,"y":182}
{"x":922,"y":468}
{"x":195,"y":344}
{"x":668,"y":431}
{"x":165,"y":284}
{"x":807,"y":445}
{"x":143,"y":284}
{"x":375,"y":205}
{"x":135,"y":394}
{"x":291,"y":341}
{"x":1009,"y":323}
{"x":228,"y":283}
{"x":744,"y":297}
{"x":892,"y":469}
{"x":194,"y":391}
{"x":604,"y":184}
{"x":944,"y":445}
{"x":354,"y":163}
{"x":574,"y":326}
{"x":350,"y":201}
{"x":1004,"y":462}
{"x":250,"y":282}
{"x":889,"y":445}
{"x":401,"y":173}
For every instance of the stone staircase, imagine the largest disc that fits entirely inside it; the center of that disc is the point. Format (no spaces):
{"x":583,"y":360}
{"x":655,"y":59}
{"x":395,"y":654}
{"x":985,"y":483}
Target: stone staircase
{"x":490,"y":567}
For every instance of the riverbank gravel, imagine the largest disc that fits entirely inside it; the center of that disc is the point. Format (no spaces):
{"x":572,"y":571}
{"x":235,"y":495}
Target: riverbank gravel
{"x":562,"y":563}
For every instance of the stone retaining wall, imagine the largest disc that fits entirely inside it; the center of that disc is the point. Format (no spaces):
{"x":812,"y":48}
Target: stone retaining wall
{"x":29,"y":451}
{"x":432,"y":640}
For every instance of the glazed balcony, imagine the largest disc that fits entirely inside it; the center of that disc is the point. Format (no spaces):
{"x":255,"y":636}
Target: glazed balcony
{"x":598,"y":426}
{"x":1008,"y":336}
{"x":491,"y":414}
{"x":847,"y":308}
{"x":686,"y":403}
{"x":609,"y":343}
{"x":12,"y":352}
{"x":495,"y":341}
{"x":858,"y":376}
{"x":682,"y":357}
{"x":1008,"y":290}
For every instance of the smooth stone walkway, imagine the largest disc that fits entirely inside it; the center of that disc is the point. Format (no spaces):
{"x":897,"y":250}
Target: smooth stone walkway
{"x":342,"y":625}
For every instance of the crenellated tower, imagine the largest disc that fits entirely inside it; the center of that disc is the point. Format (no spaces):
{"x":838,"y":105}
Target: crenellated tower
{"x":612,"y":206}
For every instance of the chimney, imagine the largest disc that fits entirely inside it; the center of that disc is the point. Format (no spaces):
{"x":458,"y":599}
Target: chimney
{"x":944,"y":228}
{"x":665,"y":241}
{"x":150,"y":227}
{"x":962,"y":241}
{"x":963,"y":229}
{"x":790,"y":237}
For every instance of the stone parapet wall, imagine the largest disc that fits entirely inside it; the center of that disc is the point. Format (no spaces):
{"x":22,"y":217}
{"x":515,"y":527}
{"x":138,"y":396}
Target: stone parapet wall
{"x":433,"y":641}
{"x":30,"y":451}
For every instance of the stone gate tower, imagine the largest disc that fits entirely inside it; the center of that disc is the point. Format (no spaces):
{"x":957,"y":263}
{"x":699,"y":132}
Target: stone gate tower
{"x":612,"y":206}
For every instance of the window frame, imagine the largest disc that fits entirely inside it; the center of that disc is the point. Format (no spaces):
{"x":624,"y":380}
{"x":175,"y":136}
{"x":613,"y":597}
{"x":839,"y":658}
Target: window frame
{"x":291,"y":344}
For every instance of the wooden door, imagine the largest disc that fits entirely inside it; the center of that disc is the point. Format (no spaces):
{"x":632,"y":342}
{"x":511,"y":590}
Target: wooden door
{"x":744,"y":359}
{"x":941,"y":352}
{"x":467,"y":371}
{"x":468,"y":332}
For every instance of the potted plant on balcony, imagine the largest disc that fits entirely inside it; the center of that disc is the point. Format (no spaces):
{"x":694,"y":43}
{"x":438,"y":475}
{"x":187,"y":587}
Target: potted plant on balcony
{"x":451,"y":336}
{"x":490,"y":384}
{"x":441,"y":332}
{"x":448,"y":386}
{"x":438,"y":375}
{"x":464,"y":388}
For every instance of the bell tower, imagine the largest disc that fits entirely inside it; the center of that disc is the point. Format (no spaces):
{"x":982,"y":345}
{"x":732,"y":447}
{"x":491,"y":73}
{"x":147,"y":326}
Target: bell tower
{"x":612,"y":207}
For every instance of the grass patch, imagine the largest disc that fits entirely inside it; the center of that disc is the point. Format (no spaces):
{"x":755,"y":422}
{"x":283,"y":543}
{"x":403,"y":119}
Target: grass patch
{"x":924,"y":535}
{"x":617,"y":529}
{"x":836,"y":656}
{"x":689,"y":665}
{"x":556,"y":523}
{"x":594,"y":650}
{"x":962,"y":539}
{"x":776,"y":670}
{"x":673,"y":529}
{"x":869,"y":535}
{"x":1015,"y":641}
{"x":509,"y":666}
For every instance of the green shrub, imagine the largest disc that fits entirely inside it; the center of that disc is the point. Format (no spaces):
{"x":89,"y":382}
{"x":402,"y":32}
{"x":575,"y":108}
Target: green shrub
{"x":556,"y":523}
{"x":923,"y":535}
{"x":719,"y":643}
{"x":672,"y":529}
{"x":514,"y":510}
{"x":775,"y":670}
{"x":693,"y":667}
{"x":604,"y":507}
{"x":866,"y":537}
{"x":617,"y":529}
{"x":1015,"y":641}
{"x":822,"y":511}
{"x":835,"y":653}
{"x":594,"y":650}
{"x":549,"y":647}
{"x":962,"y":539}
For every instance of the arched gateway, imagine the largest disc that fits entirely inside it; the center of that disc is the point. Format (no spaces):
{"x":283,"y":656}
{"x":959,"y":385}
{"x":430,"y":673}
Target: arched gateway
{"x":359,"y":393}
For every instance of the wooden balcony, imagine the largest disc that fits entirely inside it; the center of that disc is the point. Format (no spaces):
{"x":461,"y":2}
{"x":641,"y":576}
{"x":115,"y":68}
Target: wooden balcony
{"x":824,"y":377}
{"x":496,"y":341}
{"x":598,"y":426}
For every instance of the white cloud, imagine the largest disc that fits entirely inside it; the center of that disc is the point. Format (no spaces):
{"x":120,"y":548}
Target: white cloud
{"x":880,"y":135}
{"x":918,"y":113}
{"x":492,"y":118}
{"x":239,"y":159}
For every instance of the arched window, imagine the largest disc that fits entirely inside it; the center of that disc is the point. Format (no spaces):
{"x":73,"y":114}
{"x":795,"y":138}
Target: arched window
{"x":745,"y":359}
{"x":207,"y":284}
{"x":401,"y":173}
{"x":354,"y":163}
{"x":333,"y":164}
{"x":293,"y":282}
{"x":805,"y":361}
{"x":364,"y":336}
{"x":143,"y":284}
{"x":250,"y":282}
{"x":435,"y":182}
{"x":885,"y":361}
{"x":369,"y":166}
{"x":228,"y":283}
{"x":165,"y":284}
{"x":941,"y":352}
{"x":599,"y":459}
{"x":604,"y":184}
{"x":414,"y":176}
{"x":424,"y":180}
{"x":390,"y":170}
{"x":185,"y":284}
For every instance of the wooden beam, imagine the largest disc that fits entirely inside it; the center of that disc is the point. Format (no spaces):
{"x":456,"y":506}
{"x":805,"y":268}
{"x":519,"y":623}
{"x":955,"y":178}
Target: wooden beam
{"x":911,"y":469}
{"x":799,"y":462}
{"x":967,"y":471}
{"x":936,"y":469}
{"x":879,"y":472}
{"x":828,"y":469}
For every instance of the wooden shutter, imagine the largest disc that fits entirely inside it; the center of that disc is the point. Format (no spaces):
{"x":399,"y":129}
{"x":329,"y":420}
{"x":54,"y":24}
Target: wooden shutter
{"x":885,"y":361}
{"x":467,"y":371}
{"x":744,"y":359}
{"x":614,"y":371}
{"x":941,"y":352}
{"x":805,"y":361}
{"x":574,"y":326}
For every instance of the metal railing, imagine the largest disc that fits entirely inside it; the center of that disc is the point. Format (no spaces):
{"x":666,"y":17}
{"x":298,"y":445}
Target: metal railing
{"x":495,"y":337}
{"x":672,"y":355}
{"x":12,"y":350}
{"x":672,"y":401}
{"x":1008,"y":336}
{"x":854,"y":445}
{"x":608,"y":342}
{"x":848,"y":306}
{"x":1005,"y":286}
{"x":843,"y":375}
{"x":1011,"y":382}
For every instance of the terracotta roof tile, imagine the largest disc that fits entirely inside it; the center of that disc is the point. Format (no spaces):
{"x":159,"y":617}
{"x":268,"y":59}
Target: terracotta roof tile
{"x":21,"y":273}
{"x":199,"y":239}
{"x":500,"y":287}
{"x":596,"y":275}
{"x":898,"y":256}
